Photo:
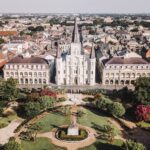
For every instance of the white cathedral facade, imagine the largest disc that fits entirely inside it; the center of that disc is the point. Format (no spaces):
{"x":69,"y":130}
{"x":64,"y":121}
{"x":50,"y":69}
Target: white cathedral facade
{"x":75,"y":68}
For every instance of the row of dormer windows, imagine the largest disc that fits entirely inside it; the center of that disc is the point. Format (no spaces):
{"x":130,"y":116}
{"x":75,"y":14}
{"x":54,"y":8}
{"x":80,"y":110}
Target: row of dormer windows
{"x":35,"y":74}
{"x":10,"y":66}
{"x":128,"y":67}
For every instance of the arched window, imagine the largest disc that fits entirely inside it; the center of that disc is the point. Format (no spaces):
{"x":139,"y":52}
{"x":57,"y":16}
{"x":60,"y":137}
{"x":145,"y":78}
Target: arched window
{"x":143,"y":75}
{"x":35,"y":74}
{"x":128,"y":75}
{"x":138,"y":75}
{"x":26,"y":81}
{"x":44,"y":81}
{"x":40,"y":81}
{"x":123,"y":75}
{"x":31,"y":81}
{"x":30,"y":73}
{"x":44,"y":74}
{"x":12,"y":74}
{"x":21,"y":80}
{"x":112,"y":75}
{"x":127,"y":82}
{"x":133,"y":75}
{"x":132,"y":81}
{"x":40,"y":74}
{"x":35,"y":81}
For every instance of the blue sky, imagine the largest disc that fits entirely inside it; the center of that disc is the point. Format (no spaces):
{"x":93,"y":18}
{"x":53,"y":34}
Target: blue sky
{"x":75,"y":6}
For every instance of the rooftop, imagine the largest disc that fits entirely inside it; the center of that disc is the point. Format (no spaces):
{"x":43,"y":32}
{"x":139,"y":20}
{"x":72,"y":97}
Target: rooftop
{"x":122,"y":60}
{"x":34,"y":60}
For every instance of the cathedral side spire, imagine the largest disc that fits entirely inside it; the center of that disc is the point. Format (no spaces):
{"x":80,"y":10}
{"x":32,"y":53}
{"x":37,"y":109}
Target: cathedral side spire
{"x":92,"y":52}
{"x":58,"y":54}
{"x":76,"y":36}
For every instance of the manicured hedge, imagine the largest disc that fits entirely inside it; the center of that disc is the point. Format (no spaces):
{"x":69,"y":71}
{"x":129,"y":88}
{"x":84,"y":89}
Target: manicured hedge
{"x":63,"y":135}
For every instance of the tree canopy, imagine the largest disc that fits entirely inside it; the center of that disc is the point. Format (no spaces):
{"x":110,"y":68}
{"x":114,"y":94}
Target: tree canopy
{"x":116,"y":109}
{"x":31,"y":109}
{"x":8,"y":88}
{"x":12,"y":145}
{"x":2,"y":41}
{"x":142,"y":91}
{"x":113,"y":108}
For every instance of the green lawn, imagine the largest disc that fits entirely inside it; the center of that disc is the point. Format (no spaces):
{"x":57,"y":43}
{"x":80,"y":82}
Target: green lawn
{"x":39,"y":144}
{"x":144,"y":125}
{"x":4,"y":121}
{"x":53,"y":120}
{"x":91,"y":118}
{"x":102,"y":145}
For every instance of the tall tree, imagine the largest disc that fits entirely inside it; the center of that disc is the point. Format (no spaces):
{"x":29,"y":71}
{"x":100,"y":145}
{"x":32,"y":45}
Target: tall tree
{"x":8,"y":88}
{"x":142,"y":90}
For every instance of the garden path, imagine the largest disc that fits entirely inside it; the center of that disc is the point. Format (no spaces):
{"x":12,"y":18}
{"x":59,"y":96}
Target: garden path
{"x":7,"y":132}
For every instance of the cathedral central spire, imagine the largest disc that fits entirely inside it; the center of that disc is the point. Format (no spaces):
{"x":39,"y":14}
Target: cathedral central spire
{"x":76,"y":36}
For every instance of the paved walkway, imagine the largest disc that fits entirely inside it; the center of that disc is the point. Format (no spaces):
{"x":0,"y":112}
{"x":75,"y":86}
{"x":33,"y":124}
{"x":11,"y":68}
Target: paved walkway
{"x":24,"y":128}
{"x":7,"y":132}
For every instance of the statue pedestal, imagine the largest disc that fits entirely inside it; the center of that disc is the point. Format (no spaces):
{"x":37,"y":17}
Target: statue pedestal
{"x":73,"y":130}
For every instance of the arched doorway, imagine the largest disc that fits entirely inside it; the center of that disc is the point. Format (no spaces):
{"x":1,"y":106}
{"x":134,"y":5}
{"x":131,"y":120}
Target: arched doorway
{"x":111,"y":82}
{"x":107,"y":82}
{"x":127,"y":82}
{"x":122,"y":82}
{"x":116,"y":82}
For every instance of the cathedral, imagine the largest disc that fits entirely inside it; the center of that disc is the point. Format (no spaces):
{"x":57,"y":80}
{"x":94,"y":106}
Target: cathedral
{"x":75,"y":67}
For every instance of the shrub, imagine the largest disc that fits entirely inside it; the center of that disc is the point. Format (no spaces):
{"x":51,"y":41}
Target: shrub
{"x":80,"y":113}
{"x":47,"y":92}
{"x":113,"y":108}
{"x":12,"y":145}
{"x":27,"y":136}
{"x":143,"y":113}
{"x":33,"y":96}
{"x":144,"y":125}
{"x":32,"y":109}
{"x":131,"y":145}
{"x":116,"y":109}
{"x":103,"y":103}
{"x":63,"y":135}
{"x":46,"y":102}
{"x":62,"y":99}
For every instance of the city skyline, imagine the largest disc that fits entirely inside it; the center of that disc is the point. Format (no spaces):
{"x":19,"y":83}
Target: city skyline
{"x":78,"y":6}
